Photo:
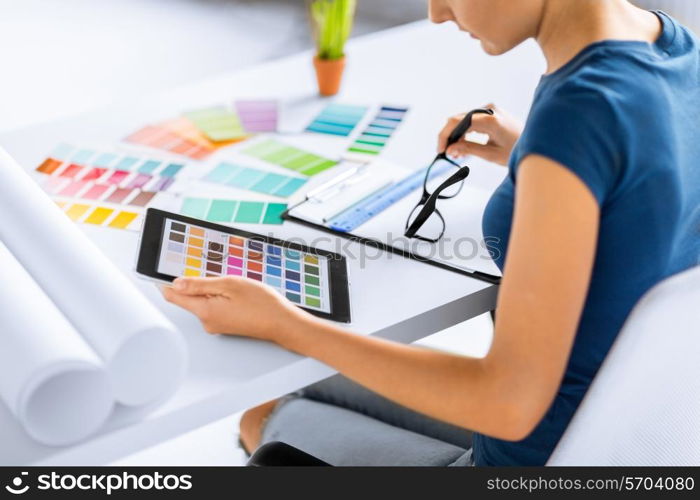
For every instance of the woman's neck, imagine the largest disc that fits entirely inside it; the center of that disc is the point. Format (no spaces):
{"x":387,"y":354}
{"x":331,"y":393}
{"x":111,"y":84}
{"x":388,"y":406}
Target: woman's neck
{"x":568,"y":26}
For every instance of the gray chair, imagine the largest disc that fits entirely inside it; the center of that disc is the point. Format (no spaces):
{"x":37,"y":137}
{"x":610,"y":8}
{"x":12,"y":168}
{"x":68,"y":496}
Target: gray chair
{"x":643,"y":408}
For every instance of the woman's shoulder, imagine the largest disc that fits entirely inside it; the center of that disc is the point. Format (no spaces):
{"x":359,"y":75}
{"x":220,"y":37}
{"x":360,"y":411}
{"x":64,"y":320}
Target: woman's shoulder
{"x":608,"y":83}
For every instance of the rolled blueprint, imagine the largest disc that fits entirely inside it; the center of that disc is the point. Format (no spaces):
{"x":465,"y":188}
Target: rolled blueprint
{"x":144,"y":354}
{"x":51,"y":380}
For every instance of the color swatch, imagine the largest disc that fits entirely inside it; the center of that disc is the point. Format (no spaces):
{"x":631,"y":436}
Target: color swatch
{"x":162,"y":137}
{"x":191,"y":250}
{"x":258,"y":115}
{"x":253,"y":179}
{"x":93,"y":191}
{"x":337,"y":119}
{"x":296,"y":159}
{"x":105,"y":216}
{"x":217,"y":124}
{"x":378,"y":131}
{"x":233,"y":211}
{"x":106,"y":176}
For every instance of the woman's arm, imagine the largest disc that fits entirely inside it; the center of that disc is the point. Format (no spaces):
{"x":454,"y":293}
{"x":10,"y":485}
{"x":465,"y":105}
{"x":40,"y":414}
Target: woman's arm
{"x":505,"y":395}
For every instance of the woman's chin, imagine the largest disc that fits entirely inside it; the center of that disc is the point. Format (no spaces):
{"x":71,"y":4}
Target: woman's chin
{"x":492,"y":49}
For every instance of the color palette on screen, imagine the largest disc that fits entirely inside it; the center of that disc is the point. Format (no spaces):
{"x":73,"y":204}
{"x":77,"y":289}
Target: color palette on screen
{"x":253,"y":179}
{"x":337,"y":119}
{"x":218,"y":123}
{"x":378,"y":132}
{"x":105,"y":176}
{"x":258,"y":115}
{"x":191,"y":250}
{"x":233,"y":211}
{"x":296,"y":159}
{"x":104,"y":216}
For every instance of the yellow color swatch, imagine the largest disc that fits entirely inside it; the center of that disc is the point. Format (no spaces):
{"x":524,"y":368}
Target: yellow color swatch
{"x":192,"y":272}
{"x":194,"y":252}
{"x":193,"y":262}
{"x":196,"y":242}
{"x":310,"y":259}
{"x":76,"y":211}
{"x":123,"y":219}
{"x":61,"y":204}
{"x":99,"y":215}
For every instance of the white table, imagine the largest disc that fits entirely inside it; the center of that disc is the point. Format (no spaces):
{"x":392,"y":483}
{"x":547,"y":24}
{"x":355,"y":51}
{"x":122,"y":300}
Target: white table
{"x":437,"y":71}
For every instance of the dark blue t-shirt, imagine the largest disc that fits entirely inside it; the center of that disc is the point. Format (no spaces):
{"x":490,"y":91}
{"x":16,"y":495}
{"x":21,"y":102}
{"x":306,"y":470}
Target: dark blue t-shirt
{"x":624,"y":117}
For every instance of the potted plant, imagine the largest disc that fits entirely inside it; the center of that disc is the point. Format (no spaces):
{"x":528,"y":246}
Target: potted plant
{"x":332,"y":23}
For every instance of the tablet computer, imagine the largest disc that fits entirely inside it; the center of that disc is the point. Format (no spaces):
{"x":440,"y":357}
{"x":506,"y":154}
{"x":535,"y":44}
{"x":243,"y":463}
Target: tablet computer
{"x":174,"y":245}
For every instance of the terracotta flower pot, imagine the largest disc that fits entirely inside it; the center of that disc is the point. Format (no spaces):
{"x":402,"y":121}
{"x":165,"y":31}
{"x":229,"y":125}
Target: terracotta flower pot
{"x":329,"y":73}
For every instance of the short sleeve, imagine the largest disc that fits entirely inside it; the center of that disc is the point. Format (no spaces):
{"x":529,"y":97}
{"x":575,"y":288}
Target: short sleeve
{"x":577,"y":128}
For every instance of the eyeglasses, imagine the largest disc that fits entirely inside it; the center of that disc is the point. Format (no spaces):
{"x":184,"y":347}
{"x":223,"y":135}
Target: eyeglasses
{"x":425,"y":216}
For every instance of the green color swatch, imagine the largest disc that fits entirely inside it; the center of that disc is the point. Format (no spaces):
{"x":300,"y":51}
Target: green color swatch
{"x":253,"y":179}
{"x":296,"y":159}
{"x":233,"y":211}
{"x":218,"y":124}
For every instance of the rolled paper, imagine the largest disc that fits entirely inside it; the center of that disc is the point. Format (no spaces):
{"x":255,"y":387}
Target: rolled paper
{"x":143,"y":353}
{"x":52,"y":381}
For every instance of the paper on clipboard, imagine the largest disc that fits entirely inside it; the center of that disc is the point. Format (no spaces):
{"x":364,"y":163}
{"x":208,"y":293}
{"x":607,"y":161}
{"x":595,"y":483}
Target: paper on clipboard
{"x":463,"y":247}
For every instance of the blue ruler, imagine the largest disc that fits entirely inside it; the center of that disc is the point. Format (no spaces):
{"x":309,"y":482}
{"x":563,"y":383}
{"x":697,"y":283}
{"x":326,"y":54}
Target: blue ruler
{"x":376,"y":203}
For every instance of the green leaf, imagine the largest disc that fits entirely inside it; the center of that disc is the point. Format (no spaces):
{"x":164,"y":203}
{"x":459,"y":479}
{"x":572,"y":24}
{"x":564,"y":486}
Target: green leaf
{"x":332,"y":22}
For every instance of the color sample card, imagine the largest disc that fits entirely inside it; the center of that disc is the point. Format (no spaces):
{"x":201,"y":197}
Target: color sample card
{"x":233,"y":211}
{"x":218,"y":124}
{"x":191,"y":250}
{"x":337,"y":119}
{"x":105,"y":176}
{"x":296,"y":159}
{"x":258,"y":115}
{"x":164,"y":138}
{"x":93,"y":191}
{"x":254,"y":179}
{"x":104,"y":216}
{"x":378,"y":131}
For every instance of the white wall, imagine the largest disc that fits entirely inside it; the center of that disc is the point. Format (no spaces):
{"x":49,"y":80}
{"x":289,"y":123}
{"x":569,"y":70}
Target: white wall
{"x":687,"y":11}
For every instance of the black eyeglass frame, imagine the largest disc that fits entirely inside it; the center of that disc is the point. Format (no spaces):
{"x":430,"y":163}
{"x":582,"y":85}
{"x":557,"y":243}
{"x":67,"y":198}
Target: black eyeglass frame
{"x":428,"y":200}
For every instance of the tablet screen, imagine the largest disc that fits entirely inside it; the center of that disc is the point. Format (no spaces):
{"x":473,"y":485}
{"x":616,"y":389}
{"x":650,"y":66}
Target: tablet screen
{"x":192,"y":250}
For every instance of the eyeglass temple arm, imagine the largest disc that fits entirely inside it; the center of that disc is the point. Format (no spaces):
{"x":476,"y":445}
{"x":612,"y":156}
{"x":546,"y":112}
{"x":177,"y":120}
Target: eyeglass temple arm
{"x":462,"y":127}
{"x":430,"y":204}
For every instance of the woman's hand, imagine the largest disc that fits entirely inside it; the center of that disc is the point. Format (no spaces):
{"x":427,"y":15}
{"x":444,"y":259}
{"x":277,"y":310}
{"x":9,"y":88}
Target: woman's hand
{"x":235,"y":306}
{"x":503,"y":131}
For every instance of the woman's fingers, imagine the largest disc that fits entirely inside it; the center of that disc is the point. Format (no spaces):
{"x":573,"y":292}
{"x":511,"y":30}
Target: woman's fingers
{"x":482,"y":123}
{"x":202,"y":286}
{"x":444,"y":134}
{"x":464,"y":148}
{"x":194,"y":304}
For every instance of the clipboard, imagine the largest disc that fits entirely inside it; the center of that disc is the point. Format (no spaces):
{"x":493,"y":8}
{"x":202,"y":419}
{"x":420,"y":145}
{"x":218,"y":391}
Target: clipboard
{"x":369,"y":202}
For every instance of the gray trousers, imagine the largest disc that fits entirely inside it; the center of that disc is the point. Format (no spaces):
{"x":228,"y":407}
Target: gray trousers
{"x":345,"y":424}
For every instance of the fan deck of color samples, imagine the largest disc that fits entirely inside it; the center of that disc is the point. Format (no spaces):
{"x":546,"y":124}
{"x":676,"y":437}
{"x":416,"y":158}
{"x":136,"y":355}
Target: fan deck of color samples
{"x":98,"y":215}
{"x":176,"y":136}
{"x":258,"y":115}
{"x":337,"y":119}
{"x":378,"y":132}
{"x":296,"y":159}
{"x":105,"y":176}
{"x":254,"y":179}
{"x":218,"y":124}
{"x":233,"y":211}
{"x":190,"y":250}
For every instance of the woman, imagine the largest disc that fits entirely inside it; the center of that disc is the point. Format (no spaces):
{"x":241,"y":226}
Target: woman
{"x":602,"y":201}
